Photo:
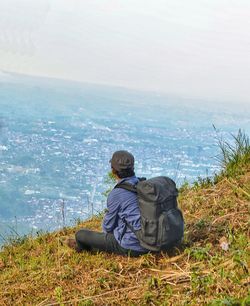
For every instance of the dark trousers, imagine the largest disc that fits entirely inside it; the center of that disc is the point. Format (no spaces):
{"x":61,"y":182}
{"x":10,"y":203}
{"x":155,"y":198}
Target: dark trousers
{"x":95,"y":241}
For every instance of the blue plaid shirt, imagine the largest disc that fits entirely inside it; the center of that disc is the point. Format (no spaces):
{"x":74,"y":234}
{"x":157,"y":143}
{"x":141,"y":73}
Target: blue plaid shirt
{"x":122,"y":204}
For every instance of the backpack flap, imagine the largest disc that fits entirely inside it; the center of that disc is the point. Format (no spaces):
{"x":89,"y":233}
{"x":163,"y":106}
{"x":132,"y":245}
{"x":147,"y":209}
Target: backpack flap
{"x":157,"y":189}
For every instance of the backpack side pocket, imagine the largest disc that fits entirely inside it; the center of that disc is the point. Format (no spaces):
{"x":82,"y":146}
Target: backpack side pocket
{"x":149,"y":229}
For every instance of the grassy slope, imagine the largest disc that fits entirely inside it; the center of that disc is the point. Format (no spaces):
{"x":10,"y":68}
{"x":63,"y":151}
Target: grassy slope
{"x":42,"y":272}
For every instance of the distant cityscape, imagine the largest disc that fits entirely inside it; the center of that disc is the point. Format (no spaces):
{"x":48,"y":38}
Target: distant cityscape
{"x":53,"y":165}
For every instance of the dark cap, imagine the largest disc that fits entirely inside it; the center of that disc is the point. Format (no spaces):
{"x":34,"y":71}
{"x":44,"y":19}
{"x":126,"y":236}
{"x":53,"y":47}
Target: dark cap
{"x":122,"y":160}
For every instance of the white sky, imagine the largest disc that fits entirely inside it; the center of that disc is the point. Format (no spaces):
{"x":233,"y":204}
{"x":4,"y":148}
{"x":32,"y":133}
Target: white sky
{"x":195,"y":48}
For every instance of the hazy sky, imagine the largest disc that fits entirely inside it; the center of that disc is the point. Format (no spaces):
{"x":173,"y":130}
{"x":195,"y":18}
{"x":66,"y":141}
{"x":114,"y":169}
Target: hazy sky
{"x":196,"y":48}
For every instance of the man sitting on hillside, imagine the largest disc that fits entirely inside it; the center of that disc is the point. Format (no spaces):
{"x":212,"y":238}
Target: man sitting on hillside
{"x":116,"y":236}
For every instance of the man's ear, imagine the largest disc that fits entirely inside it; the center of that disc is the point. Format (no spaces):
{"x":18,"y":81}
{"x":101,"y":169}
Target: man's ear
{"x":114,"y":174}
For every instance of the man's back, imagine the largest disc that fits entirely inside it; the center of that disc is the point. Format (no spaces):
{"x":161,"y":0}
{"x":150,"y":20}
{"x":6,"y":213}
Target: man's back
{"x":123,"y":204}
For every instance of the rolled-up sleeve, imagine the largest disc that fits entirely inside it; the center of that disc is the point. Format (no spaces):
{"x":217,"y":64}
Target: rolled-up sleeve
{"x":111,"y":217}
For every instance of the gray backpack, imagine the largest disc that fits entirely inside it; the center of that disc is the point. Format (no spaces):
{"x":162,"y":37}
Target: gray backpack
{"x":162,"y":223}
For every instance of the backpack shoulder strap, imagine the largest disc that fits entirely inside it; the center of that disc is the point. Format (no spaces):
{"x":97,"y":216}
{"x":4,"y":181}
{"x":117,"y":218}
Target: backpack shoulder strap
{"x":127,"y":186}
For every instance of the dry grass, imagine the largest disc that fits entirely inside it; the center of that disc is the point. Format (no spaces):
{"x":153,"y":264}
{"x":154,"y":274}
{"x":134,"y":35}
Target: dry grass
{"x":43,"y":272}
